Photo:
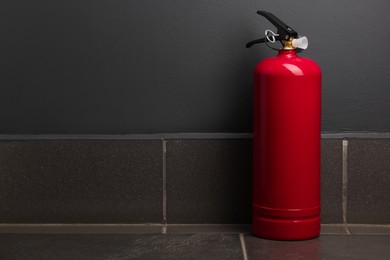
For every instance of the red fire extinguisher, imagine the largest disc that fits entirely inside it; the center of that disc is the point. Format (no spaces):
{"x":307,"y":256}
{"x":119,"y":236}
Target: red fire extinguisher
{"x":286,"y":139}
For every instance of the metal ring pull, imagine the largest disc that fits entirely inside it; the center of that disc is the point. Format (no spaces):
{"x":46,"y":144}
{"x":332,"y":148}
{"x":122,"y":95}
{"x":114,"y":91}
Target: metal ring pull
{"x":270,"y":36}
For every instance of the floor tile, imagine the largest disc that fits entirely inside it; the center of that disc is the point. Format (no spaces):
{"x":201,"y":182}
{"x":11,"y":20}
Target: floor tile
{"x":119,"y":247}
{"x":358,"y":247}
{"x":332,"y":247}
{"x":258,"y":248}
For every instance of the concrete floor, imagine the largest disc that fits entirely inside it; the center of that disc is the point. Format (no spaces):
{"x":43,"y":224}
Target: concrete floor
{"x":187,"y":242}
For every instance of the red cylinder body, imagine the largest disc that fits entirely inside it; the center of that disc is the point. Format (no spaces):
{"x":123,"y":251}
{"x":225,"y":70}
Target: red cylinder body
{"x":287,"y":136}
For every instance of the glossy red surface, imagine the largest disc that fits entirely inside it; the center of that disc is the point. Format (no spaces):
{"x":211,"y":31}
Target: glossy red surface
{"x":287,"y":134}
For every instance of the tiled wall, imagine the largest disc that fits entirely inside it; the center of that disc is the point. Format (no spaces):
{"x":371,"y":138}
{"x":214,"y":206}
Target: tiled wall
{"x":175,"y":181}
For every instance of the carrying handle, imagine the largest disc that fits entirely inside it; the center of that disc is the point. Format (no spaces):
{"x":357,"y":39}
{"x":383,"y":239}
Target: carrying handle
{"x":284,"y":33}
{"x":284,"y":30}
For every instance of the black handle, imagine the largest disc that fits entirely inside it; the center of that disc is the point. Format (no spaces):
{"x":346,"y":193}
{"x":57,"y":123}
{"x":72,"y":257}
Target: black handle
{"x":284,"y":31}
{"x":249,"y":44}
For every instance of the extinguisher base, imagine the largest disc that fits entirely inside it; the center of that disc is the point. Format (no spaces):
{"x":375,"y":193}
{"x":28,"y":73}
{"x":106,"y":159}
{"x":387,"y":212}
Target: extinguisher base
{"x":286,"y":229}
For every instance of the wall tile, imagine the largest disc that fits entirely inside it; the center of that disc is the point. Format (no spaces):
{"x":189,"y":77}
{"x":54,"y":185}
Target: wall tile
{"x":209,"y":181}
{"x":331,"y":181}
{"x":369,"y":181}
{"x":81,"y":181}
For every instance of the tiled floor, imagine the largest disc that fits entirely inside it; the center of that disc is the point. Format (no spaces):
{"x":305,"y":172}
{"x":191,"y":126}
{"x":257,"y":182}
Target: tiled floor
{"x":325,"y":247}
{"x":364,"y":242}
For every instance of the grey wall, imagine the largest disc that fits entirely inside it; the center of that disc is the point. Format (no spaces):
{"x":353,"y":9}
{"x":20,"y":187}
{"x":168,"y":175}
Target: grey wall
{"x":112,"y":67}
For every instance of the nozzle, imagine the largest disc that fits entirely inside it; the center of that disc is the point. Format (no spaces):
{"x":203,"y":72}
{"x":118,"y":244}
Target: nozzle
{"x":300,"y":43}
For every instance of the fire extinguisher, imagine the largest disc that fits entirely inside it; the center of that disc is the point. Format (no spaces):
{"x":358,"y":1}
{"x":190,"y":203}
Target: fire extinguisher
{"x":286,"y":139}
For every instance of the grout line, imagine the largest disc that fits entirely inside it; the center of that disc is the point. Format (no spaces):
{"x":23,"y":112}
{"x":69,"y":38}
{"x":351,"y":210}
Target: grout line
{"x":151,"y":136}
{"x":178,"y":135}
{"x":345,"y":184}
{"x":357,"y":135}
{"x":81,"y":228}
{"x":164,"y":188}
{"x":243,"y":247}
{"x":164,"y":229}
{"x":154,"y":228}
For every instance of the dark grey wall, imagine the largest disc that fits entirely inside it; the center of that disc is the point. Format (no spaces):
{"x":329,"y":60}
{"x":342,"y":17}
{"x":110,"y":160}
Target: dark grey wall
{"x":112,"y":67}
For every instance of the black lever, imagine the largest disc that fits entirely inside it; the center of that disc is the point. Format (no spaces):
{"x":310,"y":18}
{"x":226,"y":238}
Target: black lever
{"x":284,"y":31}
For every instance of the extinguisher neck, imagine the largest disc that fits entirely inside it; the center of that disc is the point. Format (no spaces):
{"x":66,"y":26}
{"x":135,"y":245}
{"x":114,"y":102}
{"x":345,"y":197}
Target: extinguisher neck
{"x":288,"y":45}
